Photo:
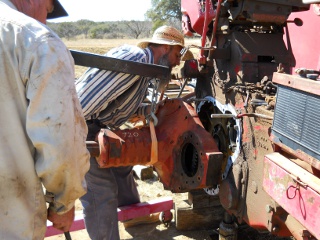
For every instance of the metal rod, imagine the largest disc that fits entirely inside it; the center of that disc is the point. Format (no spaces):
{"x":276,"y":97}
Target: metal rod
{"x":67,"y":235}
{"x":254,"y":115}
{"x":183,"y":86}
{"x":221,"y":115}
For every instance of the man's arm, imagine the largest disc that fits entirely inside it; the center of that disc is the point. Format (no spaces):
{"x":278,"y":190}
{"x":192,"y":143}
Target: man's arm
{"x":55,"y":124}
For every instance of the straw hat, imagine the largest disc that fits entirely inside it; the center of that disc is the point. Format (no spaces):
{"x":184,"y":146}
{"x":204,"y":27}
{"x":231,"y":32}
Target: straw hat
{"x":169,"y":36}
{"x":58,"y":11}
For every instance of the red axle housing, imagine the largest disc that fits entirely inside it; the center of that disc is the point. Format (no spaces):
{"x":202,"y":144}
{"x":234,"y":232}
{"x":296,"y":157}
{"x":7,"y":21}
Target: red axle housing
{"x":188,"y":157}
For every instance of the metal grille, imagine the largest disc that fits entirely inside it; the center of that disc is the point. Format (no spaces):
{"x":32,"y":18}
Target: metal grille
{"x":296,"y":120}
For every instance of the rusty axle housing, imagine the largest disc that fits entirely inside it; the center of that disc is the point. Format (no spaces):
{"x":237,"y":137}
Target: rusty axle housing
{"x":188,"y":157}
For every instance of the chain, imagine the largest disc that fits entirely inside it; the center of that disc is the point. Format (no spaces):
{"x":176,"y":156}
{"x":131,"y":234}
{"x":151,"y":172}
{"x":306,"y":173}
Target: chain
{"x":154,"y":100}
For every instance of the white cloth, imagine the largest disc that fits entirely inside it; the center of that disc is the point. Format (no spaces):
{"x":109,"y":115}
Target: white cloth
{"x":42,"y":128}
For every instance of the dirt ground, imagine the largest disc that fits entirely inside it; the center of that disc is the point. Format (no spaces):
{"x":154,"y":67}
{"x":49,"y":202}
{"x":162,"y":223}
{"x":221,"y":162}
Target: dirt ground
{"x":152,"y":189}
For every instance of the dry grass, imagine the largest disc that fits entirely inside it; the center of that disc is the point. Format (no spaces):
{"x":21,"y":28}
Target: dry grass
{"x":101,"y":46}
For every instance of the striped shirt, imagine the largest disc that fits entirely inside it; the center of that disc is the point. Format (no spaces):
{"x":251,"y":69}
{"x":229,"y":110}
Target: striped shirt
{"x":112,"y":97}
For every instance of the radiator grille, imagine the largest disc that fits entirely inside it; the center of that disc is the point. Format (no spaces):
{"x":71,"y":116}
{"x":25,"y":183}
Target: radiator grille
{"x":296,"y":120}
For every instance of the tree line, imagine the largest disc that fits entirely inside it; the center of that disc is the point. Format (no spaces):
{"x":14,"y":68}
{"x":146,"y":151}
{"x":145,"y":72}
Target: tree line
{"x":102,"y":30}
{"x":162,"y":12}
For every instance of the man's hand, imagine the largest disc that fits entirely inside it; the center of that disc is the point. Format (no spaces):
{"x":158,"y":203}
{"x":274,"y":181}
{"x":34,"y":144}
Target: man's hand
{"x":62,"y":222}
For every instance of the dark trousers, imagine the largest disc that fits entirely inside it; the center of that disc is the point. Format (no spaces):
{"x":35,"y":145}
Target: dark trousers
{"x":108,"y":189}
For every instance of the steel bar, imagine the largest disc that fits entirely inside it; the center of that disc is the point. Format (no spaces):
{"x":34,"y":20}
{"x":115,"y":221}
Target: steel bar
{"x":218,"y":115}
{"x":119,"y":65}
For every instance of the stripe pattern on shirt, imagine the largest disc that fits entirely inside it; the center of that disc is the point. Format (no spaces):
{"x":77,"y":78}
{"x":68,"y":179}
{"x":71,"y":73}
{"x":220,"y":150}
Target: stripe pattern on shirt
{"x":112,"y":97}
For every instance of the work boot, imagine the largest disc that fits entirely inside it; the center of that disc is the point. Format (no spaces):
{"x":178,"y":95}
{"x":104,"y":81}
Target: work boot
{"x":152,"y":218}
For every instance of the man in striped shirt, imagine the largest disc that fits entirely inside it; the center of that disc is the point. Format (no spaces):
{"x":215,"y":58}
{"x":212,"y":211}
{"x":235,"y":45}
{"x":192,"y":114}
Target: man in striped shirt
{"x":109,"y":99}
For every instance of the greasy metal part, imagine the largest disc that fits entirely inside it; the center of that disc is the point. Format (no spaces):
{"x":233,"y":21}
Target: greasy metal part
{"x":154,"y":99}
{"x":178,"y":83}
{"x":207,"y":19}
{"x":228,"y":228}
{"x":221,"y":53}
{"x":93,"y":148}
{"x":254,"y":115}
{"x":303,"y":72}
{"x":220,"y":115}
{"x":247,"y":99}
{"x":182,"y":87}
{"x":240,"y":191}
{"x":233,"y":190}
{"x":266,"y":11}
{"x":188,"y":157}
{"x":215,"y":25}
{"x":119,"y":65}
{"x":236,"y":130}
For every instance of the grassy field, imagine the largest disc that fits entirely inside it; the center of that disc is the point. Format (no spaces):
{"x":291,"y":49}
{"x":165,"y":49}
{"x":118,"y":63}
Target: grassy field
{"x":101,"y":46}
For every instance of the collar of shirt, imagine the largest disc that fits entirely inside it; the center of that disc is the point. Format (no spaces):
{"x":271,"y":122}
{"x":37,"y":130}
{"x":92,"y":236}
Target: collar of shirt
{"x":149,"y":55}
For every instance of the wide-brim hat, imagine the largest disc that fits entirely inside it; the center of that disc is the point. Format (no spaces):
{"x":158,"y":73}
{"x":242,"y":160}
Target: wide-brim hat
{"x":169,"y":36}
{"x":58,"y":11}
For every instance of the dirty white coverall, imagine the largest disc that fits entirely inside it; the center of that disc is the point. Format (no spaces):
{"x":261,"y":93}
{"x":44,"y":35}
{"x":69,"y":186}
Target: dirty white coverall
{"x":42,"y":128}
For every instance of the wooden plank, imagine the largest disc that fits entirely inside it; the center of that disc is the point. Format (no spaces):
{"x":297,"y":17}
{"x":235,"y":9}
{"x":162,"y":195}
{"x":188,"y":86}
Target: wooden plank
{"x":143,"y":172}
{"x":200,"y":199}
{"x":188,"y":218}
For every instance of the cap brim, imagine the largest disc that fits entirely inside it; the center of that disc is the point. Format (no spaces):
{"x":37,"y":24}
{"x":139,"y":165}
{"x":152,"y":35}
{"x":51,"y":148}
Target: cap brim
{"x":58,"y":11}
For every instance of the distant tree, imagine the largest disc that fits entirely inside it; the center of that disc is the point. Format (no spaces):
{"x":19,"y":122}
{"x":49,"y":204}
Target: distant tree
{"x":53,"y":26}
{"x":99,"y":31}
{"x":84,"y":26}
{"x":136,"y":28}
{"x":164,"y":12}
{"x":67,"y":30}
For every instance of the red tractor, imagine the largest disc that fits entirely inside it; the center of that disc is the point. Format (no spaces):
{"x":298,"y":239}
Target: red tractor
{"x":258,"y":95}
{"x":250,"y":134}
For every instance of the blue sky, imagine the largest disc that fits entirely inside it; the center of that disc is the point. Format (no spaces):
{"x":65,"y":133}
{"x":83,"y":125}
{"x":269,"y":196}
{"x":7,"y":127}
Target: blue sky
{"x":104,"y":10}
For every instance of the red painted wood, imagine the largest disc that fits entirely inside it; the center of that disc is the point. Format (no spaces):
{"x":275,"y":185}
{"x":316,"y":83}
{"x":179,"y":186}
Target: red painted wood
{"x":144,"y":208}
{"x":124,"y":213}
{"x":78,"y":224}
